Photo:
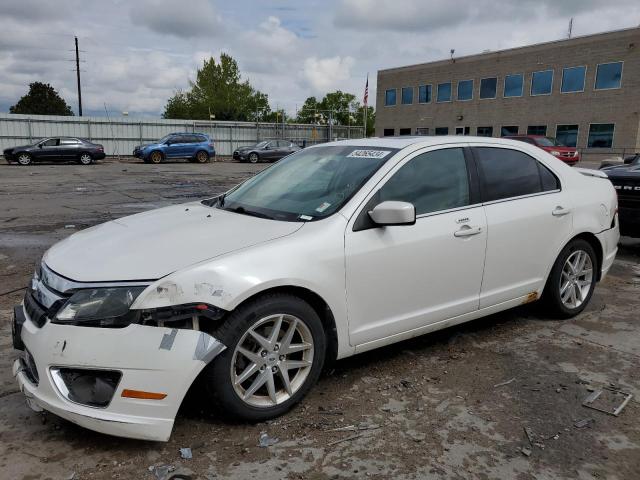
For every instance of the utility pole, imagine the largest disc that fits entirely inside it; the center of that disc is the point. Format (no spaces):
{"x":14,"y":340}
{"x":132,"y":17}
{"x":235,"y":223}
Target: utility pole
{"x":570,"y":28}
{"x":78,"y":77}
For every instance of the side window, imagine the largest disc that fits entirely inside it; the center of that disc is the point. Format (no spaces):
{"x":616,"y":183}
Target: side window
{"x":507,"y":173}
{"x":432,"y":181}
{"x":52,"y":142}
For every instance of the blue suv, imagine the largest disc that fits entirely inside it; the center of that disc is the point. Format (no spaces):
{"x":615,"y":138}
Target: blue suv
{"x":197,"y":147}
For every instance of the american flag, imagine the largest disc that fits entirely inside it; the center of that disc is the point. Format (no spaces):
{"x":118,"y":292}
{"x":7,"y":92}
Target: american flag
{"x":366,"y":92}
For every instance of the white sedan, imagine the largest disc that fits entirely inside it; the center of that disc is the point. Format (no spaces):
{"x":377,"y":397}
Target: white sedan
{"x":337,"y":249}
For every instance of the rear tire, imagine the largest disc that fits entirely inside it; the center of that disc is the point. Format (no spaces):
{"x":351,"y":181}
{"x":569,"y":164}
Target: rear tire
{"x":85,"y":159}
{"x":202,"y":157}
{"x":274,"y":373}
{"x":24,"y":159}
{"x":572,"y":280}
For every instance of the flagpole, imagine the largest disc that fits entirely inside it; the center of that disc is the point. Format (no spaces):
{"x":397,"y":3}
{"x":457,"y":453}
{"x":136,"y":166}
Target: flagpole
{"x":366,"y":101}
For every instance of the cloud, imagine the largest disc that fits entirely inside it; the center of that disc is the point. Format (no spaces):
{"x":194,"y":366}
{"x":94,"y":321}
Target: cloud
{"x":421,"y":16}
{"x":325,"y":74}
{"x":33,"y":10}
{"x":197,"y":18}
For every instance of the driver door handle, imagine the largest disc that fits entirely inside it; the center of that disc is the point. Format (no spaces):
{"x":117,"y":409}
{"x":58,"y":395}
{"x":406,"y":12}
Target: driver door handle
{"x":467,"y":231}
{"x":560,"y":211}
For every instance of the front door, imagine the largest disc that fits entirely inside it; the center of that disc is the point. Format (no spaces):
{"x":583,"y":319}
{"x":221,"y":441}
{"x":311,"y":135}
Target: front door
{"x":400,"y":278}
{"x":529,"y":219}
{"x":50,"y":149}
{"x":178,"y":147}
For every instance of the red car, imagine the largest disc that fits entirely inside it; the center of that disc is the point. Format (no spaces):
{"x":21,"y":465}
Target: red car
{"x":550,"y":145}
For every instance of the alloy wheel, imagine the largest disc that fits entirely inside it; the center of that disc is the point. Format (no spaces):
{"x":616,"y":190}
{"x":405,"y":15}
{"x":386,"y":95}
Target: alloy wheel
{"x":156,"y":157}
{"x":24,"y":159}
{"x":253,"y":158}
{"x":272,"y":360}
{"x":576,"y":279}
{"x":202,"y":157}
{"x":85,"y":159}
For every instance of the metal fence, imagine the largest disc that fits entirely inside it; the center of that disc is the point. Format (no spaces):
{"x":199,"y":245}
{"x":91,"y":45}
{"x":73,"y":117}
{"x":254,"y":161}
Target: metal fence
{"x":120,"y":135}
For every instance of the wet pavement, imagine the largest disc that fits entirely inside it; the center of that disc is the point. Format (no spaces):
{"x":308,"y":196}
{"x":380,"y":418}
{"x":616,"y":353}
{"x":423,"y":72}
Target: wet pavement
{"x":499,"y":397}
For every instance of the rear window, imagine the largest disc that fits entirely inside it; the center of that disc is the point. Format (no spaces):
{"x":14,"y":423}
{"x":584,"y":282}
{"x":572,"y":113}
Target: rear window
{"x":507,"y":173}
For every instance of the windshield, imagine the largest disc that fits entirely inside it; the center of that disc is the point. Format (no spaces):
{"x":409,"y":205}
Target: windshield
{"x":548,"y":142}
{"x":165,"y":138}
{"x":261,"y":144}
{"x":307,"y":185}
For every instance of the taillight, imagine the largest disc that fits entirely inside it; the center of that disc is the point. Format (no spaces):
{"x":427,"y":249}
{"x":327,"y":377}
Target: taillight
{"x":211,"y":144}
{"x":101,"y":148}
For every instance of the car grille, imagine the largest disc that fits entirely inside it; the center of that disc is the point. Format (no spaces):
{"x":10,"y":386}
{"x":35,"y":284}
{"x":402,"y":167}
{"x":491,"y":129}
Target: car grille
{"x":35,"y":311}
{"x":568,"y":154}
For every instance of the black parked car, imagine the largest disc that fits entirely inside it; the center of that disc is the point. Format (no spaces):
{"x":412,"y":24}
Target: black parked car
{"x":268,"y":150}
{"x":626,"y":180}
{"x":58,"y":149}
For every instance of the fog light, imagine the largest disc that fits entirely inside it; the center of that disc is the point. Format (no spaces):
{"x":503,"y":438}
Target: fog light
{"x":94,"y":388}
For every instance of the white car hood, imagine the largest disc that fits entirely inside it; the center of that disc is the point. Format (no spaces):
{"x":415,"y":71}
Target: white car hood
{"x":152,"y":244}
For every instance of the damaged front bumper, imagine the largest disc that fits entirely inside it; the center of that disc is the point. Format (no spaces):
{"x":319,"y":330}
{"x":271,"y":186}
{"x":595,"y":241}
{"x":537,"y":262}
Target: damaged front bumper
{"x":141,"y":359}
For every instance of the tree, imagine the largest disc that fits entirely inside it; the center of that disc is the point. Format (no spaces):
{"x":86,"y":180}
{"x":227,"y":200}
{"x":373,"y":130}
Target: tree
{"x":218,"y":90}
{"x":343,"y":107}
{"x":42,"y":99}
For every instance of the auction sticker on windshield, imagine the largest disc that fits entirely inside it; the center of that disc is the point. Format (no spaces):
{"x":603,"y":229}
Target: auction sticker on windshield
{"x":369,"y":154}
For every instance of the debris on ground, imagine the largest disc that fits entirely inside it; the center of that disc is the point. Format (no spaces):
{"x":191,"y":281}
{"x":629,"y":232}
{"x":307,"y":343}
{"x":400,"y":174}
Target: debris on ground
{"x":70,"y":226}
{"x":609,"y":400}
{"x":346,"y":439}
{"x":505,"y":383}
{"x":585,"y":422}
{"x":266,"y":440}
{"x":162,"y":472}
{"x":526,"y":451}
{"x":186,"y":453}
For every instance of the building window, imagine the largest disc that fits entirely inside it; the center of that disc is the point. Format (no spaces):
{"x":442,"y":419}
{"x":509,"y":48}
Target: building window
{"x":444,"y":92}
{"x":389,"y":132}
{"x":423,"y":131}
{"x":407,"y":95}
{"x":390,"y":97}
{"x":573,"y":79}
{"x":537,"y":130}
{"x":442,"y":130}
{"x":405,"y":131}
{"x":541,"y":83}
{"x":488,"y":87}
{"x":567,"y":135}
{"x":424,"y":94}
{"x":513,"y":85}
{"x":484,"y":131}
{"x":600,"y":135}
{"x":608,"y":75}
{"x":463,"y":130}
{"x":465,"y":90}
{"x":508,"y":130}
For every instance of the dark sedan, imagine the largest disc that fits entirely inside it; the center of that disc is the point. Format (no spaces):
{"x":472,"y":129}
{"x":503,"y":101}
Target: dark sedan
{"x":267,"y":151}
{"x":56,"y":149}
{"x":626,"y":181}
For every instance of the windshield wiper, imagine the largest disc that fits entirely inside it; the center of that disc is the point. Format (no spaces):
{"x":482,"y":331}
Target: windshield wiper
{"x":221,"y":199}
{"x":252,"y":213}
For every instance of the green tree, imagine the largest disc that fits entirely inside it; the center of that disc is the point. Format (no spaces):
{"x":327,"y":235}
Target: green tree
{"x":42,"y":99}
{"x":218,"y":90}
{"x":343,"y":108}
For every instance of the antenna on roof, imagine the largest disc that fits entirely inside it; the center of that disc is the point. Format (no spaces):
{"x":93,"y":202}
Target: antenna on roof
{"x":570,"y":31}
{"x":452,"y":51}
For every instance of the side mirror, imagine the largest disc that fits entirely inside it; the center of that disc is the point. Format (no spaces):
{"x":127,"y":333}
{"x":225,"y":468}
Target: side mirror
{"x":40,"y":145}
{"x":393,"y":212}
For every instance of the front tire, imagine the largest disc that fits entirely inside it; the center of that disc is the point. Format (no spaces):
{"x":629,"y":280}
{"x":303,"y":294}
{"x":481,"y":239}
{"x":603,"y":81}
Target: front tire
{"x":572,"y":280}
{"x":254,"y":157}
{"x":156,"y":157}
{"x":275,"y":352}
{"x":24,"y":159}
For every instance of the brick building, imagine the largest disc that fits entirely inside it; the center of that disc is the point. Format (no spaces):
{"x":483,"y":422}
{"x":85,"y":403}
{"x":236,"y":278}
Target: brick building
{"x":585,"y":91}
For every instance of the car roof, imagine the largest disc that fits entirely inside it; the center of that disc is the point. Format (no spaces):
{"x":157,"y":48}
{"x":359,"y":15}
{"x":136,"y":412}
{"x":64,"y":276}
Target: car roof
{"x":418,"y":141}
{"x":523,"y":135}
{"x":187,"y":133}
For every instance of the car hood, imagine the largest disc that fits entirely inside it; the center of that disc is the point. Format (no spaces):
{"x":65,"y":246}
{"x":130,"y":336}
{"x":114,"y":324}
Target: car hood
{"x":152,"y":244}
{"x":244,"y":149}
{"x":559,"y":149}
{"x":623,"y":171}
{"x":20,"y":147}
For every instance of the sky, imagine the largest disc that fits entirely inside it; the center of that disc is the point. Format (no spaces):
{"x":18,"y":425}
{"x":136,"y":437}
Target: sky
{"x":136,"y":53}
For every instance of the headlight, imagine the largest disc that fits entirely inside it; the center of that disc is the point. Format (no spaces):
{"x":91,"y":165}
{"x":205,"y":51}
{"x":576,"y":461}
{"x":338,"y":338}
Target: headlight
{"x":554,"y":153}
{"x":100,"y":307}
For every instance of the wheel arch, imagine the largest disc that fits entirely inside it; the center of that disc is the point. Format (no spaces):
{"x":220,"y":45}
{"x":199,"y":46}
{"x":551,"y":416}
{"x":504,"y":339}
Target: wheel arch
{"x":592,"y":240}
{"x":316,"y":302}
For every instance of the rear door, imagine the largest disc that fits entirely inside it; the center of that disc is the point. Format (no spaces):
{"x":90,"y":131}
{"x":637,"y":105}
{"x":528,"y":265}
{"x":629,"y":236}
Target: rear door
{"x":529,"y":219}
{"x":69,"y":148}
{"x":401,"y":278}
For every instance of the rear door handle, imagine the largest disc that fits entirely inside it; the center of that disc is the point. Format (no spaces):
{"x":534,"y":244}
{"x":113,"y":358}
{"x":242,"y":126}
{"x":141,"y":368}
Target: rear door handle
{"x":560,"y":211}
{"x":467,"y":231}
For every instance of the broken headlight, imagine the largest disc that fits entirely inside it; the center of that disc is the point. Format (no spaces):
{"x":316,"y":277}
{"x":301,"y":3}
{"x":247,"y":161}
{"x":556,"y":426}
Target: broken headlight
{"x":100,"y":307}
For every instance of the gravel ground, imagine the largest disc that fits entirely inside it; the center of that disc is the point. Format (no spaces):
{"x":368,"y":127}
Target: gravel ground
{"x":458,"y":404}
